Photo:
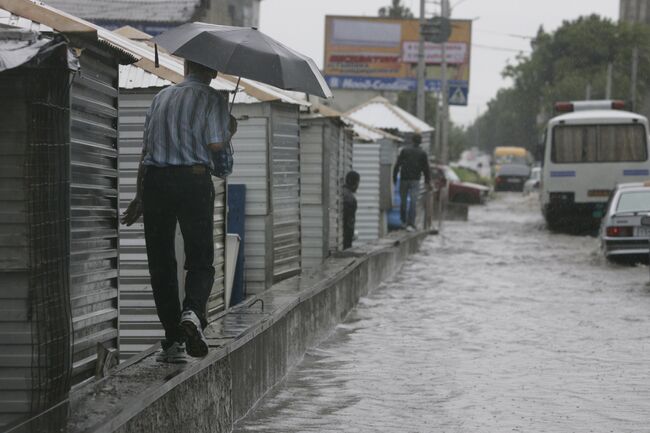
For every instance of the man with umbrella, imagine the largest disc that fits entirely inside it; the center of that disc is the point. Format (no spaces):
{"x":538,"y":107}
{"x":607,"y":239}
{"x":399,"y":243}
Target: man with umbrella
{"x":185,"y":124}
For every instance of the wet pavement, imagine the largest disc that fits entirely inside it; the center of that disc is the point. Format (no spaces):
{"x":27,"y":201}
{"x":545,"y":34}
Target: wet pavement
{"x":496,"y":326}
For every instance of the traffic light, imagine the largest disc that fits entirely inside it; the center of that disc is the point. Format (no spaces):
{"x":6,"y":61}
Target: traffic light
{"x":436,"y":30}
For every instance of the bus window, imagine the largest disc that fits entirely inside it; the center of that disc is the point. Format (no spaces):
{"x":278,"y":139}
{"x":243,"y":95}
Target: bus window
{"x":599,"y":143}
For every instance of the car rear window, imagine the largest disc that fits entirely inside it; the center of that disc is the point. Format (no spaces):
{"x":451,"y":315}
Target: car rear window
{"x":599,"y":143}
{"x":634,"y":201}
{"x":514,"y":170}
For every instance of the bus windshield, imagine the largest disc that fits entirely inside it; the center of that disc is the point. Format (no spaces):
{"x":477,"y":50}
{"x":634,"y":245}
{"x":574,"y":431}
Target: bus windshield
{"x":599,"y":143}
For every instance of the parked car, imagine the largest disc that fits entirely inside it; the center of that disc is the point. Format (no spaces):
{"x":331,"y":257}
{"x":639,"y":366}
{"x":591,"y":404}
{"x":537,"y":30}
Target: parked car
{"x":511,"y":177}
{"x":458,"y":191}
{"x":621,"y":234}
{"x":532,"y":184}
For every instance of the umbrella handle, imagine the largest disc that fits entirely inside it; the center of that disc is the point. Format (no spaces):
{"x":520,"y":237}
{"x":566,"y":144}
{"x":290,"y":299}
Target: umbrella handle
{"x":234,"y":95}
{"x":232,"y":151}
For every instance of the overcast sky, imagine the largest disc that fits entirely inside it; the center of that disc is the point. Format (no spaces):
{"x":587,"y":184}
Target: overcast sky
{"x":300,"y":24}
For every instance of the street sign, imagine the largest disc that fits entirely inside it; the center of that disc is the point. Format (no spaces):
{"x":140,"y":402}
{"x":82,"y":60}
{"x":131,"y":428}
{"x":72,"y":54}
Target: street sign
{"x":458,"y":95}
{"x":437,"y":29}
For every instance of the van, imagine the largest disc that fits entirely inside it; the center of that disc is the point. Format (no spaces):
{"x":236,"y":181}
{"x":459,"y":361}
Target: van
{"x":587,"y":151}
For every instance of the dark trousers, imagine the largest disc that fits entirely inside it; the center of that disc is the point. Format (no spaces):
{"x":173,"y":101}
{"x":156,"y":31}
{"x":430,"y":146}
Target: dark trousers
{"x":408,"y":194}
{"x":171,"y":195}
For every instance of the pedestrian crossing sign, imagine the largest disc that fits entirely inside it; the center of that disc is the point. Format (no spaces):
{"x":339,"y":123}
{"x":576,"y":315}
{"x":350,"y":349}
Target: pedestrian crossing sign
{"x":458,"y":95}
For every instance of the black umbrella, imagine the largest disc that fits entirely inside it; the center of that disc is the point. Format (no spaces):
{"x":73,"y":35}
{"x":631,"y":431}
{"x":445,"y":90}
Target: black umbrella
{"x":245,"y":52}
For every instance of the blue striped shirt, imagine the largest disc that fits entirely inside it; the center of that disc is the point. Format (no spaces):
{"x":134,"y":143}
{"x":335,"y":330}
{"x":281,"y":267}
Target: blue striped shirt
{"x":182,"y":121}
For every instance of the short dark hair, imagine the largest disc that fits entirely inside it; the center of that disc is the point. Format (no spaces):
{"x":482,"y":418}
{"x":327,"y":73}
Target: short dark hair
{"x":352,"y":178}
{"x":197,"y":68}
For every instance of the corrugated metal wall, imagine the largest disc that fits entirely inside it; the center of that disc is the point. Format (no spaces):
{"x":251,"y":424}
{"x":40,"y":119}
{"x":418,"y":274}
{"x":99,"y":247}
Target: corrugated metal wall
{"x":334,"y":181}
{"x":251,"y":168}
{"x":285,"y":165}
{"x":366,"y":162}
{"x":94,"y":209}
{"x":344,"y":166}
{"x":314,"y":191}
{"x":139,"y":324}
{"x":35,"y":322}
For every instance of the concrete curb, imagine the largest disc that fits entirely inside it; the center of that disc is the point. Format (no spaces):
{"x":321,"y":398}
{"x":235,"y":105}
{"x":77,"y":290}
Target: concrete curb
{"x":253,"y":346}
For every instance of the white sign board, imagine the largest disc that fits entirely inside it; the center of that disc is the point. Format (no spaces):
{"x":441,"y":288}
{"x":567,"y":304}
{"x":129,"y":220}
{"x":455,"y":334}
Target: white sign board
{"x":456,"y":52}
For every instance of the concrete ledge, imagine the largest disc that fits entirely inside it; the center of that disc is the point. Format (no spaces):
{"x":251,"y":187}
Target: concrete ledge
{"x":252,"y":348}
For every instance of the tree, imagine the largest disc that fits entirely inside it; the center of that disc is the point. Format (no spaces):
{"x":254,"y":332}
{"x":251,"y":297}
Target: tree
{"x":395,"y":10}
{"x":560,"y":68}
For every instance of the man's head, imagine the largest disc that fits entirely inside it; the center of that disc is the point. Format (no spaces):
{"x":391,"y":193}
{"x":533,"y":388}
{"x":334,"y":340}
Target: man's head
{"x":352,"y":180}
{"x":416,"y":140}
{"x":204,"y":73}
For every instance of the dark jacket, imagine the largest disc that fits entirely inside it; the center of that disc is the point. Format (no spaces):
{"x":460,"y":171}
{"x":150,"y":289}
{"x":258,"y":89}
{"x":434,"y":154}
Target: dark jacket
{"x":412,"y":162}
{"x":349,"y":216}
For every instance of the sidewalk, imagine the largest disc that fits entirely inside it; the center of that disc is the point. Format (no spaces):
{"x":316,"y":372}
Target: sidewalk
{"x":253,"y":346}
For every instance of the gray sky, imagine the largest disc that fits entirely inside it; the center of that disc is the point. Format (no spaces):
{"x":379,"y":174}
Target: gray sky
{"x":300,"y":24}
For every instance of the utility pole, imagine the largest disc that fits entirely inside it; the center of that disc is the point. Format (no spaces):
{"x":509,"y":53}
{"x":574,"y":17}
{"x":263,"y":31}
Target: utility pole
{"x":635,"y":76}
{"x":445,"y":12}
{"x":610,"y":73}
{"x":420,"y":104}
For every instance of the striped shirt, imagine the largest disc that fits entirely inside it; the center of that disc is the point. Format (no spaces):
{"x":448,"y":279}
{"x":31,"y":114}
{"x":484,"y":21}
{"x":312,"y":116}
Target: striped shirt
{"x":182,"y":121}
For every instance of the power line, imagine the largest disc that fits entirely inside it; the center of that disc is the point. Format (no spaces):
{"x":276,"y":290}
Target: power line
{"x":511,"y":35}
{"x":495,"y":48}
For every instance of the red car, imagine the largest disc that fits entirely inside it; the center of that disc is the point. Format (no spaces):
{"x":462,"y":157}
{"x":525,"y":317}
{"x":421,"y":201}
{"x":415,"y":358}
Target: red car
{"x":458,"y":191}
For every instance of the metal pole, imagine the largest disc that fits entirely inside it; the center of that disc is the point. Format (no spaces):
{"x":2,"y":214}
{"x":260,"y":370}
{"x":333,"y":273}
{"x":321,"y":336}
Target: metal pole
{"x":444,"y":154}
{"x":420,"y":105}
{"x":588,"y":92}
{"x":610,"y":72}
{"x":635,"y":76}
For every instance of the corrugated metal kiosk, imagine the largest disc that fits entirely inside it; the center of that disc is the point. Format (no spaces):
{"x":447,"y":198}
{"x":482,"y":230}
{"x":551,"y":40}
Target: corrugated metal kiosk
{"x":139,"y":324}
{"x":59,"y":240}
{"x":267,"y":161}
{"x":326,"y":157}
{"x":373,"y":158}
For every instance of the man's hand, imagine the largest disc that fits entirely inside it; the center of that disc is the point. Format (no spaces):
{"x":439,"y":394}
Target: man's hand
{"x":232,"y":126}
{"x":132,"y":213}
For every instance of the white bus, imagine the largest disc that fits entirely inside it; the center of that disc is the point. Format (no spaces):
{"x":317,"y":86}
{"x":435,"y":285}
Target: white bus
{"x":587,"y":151}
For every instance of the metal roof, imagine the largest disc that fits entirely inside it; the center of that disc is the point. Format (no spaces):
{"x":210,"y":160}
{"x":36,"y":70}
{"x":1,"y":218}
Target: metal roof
{"x":363,"y":132}
{"x":132,"y":77}
{"x":130,"y":10}
{"x":170,"y":68}
{"x":380,"y":113}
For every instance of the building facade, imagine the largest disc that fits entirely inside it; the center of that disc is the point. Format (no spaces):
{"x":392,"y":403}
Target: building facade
{"x":637,"y":11}
{"x":156,"y":16}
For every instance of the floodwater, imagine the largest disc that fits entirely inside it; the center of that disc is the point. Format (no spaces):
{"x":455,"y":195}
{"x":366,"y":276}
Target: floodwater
{"x":496,"y":326}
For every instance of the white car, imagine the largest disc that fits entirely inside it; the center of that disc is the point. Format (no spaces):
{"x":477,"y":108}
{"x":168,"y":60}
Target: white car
{"x":532,"y":184}
{"x":621,"y":234}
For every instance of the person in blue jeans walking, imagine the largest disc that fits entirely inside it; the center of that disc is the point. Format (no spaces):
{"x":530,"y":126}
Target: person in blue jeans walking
{"x":411,"y":164}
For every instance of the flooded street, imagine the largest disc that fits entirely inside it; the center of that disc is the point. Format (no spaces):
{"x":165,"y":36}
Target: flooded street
{"x":496,"y":326}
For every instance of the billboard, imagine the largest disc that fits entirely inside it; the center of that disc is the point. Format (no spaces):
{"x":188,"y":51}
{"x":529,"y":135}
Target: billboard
{"x":382,"y":54}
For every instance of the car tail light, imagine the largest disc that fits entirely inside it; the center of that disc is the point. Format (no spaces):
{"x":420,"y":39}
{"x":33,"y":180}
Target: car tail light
{"x":620,"y":232}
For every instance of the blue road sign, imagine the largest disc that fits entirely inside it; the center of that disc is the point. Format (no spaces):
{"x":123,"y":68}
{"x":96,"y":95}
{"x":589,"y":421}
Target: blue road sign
{"x":458,"y":95}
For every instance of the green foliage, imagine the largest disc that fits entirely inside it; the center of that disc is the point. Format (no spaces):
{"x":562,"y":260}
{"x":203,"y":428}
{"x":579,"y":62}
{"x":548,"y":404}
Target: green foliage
{"x":468,"y":175}
{"x":395,"y":10}
{"x":560,"y":68}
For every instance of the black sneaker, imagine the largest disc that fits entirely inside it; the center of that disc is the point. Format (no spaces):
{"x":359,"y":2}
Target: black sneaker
{"x":196,"y":344}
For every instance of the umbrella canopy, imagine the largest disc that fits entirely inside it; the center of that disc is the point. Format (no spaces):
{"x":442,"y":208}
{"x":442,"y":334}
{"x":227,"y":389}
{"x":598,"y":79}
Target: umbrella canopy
{"x":245,"y":52}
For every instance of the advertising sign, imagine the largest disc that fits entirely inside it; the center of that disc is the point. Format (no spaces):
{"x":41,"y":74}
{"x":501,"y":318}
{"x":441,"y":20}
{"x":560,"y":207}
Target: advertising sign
{"x":382,"y":54}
